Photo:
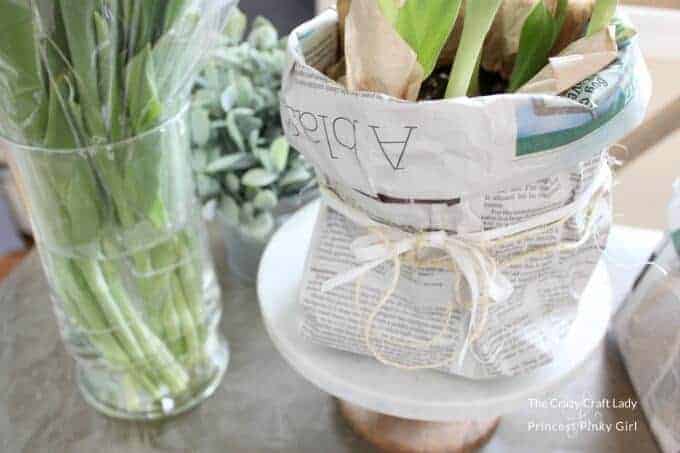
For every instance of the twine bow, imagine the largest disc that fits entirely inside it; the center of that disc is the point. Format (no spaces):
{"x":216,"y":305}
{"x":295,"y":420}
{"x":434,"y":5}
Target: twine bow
{"x":477,"y":267}
{"x":467,"y":255}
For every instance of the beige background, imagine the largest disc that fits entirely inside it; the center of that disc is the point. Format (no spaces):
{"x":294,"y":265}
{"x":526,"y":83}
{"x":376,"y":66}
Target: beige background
{"x":644,"y":188}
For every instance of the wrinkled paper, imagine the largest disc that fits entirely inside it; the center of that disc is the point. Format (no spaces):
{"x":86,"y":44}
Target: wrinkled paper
{"x":578,"y":61}
{"x":377,"y":58}
{"x":459,"y":165}
{"x":502,"y":43}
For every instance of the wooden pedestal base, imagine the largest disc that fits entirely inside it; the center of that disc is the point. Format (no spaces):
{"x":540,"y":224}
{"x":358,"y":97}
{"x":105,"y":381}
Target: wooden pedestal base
{"x":398,"y":435}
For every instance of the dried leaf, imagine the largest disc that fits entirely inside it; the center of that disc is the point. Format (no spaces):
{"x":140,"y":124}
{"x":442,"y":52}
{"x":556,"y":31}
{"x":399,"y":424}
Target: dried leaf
{"x":575,"y":22}
{"x":577,"y":62}
{"x":343,"y":10}
{"x":502,"y":43}
{"x":539,"y":33}
{"x":377,"y":58}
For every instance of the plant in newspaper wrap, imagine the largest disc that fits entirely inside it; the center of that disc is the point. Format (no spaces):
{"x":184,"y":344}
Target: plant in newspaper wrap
{"x":458,"y":234}
{"x":93,"y":105}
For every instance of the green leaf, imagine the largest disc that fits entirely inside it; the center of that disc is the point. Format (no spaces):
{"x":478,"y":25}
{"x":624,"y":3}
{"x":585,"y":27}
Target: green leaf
{"x":426,"y":26}
{"x":247,"y":162}
{"x":297,"y":175}
{"x":265,"y":200}
{"x":264,"y":156}
{"x":233,"y":129}
{"x":232,"y":182}
{"x":260,"y":227}
{"x":206,"y":186}
{"x":225,"y":163}
{"x":390,"y":9}
{"x":173,"y":12}
{"x":479,"y":15}
{"x":602,"y":15}
{"x":279,"y":153}
{"x":203,"y":97}
{"x":211,"y":77}
{"x":141,"y":93}
{"x":144,"y":167}
{"x":108,"y":65}
{"x":247,"y":214}
{"x":82,"y":47}
{"x":82,"y":203}
{"x":228,"y":98}
{"x":25,"y":106}
{"x":244,"y":92}
{"x":200,"y":126}
{"x":539,"y":33}
{"x":61,"y":129}
{"x":263,"y":36}
{"x":236,"y":26}
{"x":254,"y":139}
{"x":258,"y":177}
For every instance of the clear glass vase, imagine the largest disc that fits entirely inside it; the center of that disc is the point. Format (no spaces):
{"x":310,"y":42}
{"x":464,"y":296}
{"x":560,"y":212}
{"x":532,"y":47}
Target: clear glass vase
{"x":244,"y":249}
{"x":124,"y":250}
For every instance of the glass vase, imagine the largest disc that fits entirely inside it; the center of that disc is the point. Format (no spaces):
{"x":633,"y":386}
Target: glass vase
{"x":132,"y":283}
{"x":244,"y":249}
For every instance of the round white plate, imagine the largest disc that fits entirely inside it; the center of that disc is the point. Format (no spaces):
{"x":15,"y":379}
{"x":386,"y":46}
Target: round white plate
{"x":419,"y":395}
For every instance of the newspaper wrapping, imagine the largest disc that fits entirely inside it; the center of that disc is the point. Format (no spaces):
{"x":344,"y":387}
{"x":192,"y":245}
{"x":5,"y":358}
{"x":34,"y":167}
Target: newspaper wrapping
{"x":458,"y":234}
{"x":647,"y":332}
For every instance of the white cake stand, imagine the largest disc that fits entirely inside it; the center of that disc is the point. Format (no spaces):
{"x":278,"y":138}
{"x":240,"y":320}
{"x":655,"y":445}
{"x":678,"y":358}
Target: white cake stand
{"x":403,"y":410}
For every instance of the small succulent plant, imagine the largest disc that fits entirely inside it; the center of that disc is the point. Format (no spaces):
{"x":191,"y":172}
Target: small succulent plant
{"x":243,"y":162}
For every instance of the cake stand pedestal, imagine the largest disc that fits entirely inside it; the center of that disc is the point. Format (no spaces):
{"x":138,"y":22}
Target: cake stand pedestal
{"x":404,"y":411}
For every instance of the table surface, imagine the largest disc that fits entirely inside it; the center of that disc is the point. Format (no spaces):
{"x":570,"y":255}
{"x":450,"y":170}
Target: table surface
{"x":262,"y":404}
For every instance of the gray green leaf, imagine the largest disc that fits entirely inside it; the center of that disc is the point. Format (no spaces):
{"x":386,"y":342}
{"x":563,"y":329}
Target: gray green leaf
{"x":279,"y":153}
{"x":200,"y":126}
{"x":225,"y":163}
{"x":266,"y":200}
{"x":258,"y":177}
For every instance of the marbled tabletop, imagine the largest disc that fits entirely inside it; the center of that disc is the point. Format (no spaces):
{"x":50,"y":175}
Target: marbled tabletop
{"x":262,"y":404}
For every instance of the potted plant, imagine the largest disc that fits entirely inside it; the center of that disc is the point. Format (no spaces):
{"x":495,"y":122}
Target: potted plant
{"x":248,"y":176}
{"x":461,"y":151}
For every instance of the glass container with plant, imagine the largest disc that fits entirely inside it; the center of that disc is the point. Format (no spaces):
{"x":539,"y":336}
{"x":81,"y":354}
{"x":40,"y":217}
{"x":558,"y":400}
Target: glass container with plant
{"x":93,"y":107}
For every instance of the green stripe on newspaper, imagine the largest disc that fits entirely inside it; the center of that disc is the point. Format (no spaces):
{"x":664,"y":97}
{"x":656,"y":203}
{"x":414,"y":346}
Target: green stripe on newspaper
{"x":542,"y":142}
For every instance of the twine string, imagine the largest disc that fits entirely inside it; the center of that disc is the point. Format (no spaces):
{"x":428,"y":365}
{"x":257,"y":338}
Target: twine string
{"x":468,"y":257}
